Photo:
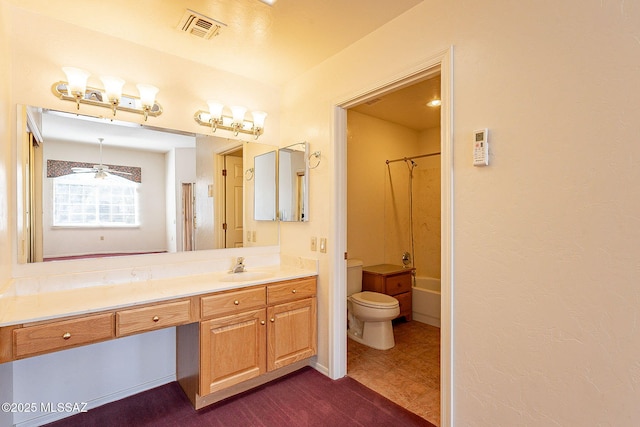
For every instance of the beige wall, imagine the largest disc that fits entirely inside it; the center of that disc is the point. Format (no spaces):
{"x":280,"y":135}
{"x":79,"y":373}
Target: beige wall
{"x":545,"y":250}
{"x":370,"y":142}
{"x":6,"y":183}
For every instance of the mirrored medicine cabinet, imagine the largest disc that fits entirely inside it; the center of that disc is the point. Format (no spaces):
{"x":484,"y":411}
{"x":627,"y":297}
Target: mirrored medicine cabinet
{"x":287,"y":184}
{"x":293,"y":183}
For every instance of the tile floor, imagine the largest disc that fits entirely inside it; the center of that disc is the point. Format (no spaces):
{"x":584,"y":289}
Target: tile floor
{"x":408,"y":374}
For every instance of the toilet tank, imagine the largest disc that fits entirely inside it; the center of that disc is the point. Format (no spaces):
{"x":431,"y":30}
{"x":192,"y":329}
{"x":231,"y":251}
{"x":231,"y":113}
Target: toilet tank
{"x":354,"y":276}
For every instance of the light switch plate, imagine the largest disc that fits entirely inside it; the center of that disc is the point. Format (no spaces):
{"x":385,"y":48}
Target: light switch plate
{"x":323,"y":244}
{"x":314,"y":243}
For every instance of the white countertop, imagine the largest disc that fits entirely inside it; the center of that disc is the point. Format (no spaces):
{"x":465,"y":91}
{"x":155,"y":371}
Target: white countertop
{"x":40,"y":306}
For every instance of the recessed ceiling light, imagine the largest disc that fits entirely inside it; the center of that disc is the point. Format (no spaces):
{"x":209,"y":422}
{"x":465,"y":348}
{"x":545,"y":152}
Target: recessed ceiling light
{"x":269,"y":2}
{"x":434,"y":103}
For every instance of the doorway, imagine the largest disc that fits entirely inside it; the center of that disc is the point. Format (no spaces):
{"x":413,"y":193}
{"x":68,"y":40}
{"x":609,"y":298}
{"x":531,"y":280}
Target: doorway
{"x":393,"y":152}
{"x":338,"y":341}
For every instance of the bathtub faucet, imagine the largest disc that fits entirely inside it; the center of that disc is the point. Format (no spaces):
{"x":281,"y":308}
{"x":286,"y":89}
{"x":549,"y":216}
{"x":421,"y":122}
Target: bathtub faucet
{"x":406,"y":259}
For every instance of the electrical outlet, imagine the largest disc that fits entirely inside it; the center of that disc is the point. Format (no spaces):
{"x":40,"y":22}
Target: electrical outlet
{"x":323,"y":244}
{"x":253,"y":235}
{"x":314,"y":243}
{"x":248,"y":236}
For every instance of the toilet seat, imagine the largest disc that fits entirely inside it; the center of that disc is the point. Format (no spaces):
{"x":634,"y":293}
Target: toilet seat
{"x":374,"y":300}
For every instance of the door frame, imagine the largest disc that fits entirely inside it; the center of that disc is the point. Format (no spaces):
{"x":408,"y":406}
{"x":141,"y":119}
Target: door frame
{"x":337,"y":362}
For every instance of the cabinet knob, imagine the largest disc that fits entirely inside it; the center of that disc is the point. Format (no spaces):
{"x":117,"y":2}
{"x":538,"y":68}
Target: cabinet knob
{"x":262,"y":322}
{"x":293,"y":291}
{"x":272,"y":320}
{"x":155,"y":318}
{"x":66,"y":336}
{"x":236,"y":302}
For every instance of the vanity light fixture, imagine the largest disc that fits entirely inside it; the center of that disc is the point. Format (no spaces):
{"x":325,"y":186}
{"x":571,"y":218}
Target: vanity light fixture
{"x":236,"y":122}
{"x":75,"y":89}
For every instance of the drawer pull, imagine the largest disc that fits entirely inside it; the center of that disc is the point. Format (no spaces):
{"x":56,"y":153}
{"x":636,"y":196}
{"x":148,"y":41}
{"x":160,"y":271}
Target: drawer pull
{"x":236,"y":302}
{"x":66,"y":336}
{"x":155,"y":318}
{"x":293,"y":291}
{"x":262,"y":322}
{"x":272,"y":320}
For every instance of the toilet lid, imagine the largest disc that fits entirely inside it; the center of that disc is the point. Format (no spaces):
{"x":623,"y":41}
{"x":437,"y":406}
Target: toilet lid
{"x":374,"y":299}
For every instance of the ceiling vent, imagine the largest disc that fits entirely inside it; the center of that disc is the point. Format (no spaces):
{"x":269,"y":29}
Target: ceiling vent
{"x":199,"y":25}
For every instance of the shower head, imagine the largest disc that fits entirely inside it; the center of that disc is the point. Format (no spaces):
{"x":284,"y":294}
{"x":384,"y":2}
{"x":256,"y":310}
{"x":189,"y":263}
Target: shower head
{"x":410,"y":164}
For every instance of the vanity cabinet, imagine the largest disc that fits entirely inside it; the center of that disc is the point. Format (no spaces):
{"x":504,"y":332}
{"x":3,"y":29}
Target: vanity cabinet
{"x":394,"y":280}
{"x":227,"y":342}
{"x":246,"y":338}
{"x":292,"y":328}
{"x":233,"y":350}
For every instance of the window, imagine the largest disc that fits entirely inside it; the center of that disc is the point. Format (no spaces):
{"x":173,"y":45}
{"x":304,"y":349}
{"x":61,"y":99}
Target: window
{"x":81,"y":200}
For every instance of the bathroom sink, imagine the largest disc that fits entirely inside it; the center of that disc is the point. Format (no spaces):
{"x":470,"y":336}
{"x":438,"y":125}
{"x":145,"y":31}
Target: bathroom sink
{"x":246,"y":275}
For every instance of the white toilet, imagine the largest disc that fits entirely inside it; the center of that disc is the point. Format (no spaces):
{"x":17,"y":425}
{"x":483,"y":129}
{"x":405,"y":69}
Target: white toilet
{"x":369,"y":314}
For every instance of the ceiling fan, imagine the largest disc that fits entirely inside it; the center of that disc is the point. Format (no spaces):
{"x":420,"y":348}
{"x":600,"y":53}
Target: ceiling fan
{"x":101,"y":170}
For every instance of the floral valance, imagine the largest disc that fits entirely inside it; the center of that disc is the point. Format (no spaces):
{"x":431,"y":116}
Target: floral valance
{"x":57,"y":168}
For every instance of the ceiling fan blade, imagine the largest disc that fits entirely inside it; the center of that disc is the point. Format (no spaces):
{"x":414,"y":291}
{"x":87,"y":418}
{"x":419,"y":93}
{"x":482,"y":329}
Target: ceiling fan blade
{"x":119,"y":172}
{"x":82,"y":170}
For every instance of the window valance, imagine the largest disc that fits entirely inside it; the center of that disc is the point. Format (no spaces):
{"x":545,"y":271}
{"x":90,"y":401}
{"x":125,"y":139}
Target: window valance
{"x":57,"y":168}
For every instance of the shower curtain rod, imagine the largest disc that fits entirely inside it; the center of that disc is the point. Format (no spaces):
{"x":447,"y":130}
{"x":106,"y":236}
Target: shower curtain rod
{"x":404,"y":159}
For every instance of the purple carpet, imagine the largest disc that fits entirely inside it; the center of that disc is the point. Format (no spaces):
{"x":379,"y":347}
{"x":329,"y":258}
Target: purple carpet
{"x":304,"y":398}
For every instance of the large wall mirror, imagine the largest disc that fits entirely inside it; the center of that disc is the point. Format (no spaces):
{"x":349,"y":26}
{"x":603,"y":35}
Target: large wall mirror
{"x":95,"y":187}
{"x":293,"y":183}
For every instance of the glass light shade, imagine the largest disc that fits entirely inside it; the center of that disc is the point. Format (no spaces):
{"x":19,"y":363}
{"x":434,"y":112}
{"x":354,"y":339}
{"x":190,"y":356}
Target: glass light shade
{"x":147,"y":95}
{"x":112,"y":87}
{"x":258,"y":119}
{"x":215,"y":109}
{"x":76,"y":81}
{"x":238,"y":114}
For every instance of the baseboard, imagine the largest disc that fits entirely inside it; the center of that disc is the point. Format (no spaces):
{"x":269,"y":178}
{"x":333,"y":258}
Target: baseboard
{"x":55,"y":416}
{"x":319,"y":367}
{"x":429,"y":320}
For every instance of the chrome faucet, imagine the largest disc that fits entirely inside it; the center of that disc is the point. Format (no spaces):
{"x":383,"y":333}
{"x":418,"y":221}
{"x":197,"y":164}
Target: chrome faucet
{"x":239,"y":267}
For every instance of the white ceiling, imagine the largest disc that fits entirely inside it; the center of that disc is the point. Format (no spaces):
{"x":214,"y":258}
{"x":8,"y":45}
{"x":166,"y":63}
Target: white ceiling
{"x":407,"y":106}
{"x":84,"y":129}
{"x":271,"y":44}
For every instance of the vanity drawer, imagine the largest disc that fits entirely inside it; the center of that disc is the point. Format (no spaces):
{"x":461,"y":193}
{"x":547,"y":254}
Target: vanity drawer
{"x":48,"y":337}
{"x":398,"y":284}
{"x":153,"y":317}
{"x":291,"y":290}
{"x":232,"y":302}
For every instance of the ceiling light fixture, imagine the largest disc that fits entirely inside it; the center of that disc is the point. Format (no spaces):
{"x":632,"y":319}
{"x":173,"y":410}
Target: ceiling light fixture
{"x":236,"y":122}
{"x":75,"y":89}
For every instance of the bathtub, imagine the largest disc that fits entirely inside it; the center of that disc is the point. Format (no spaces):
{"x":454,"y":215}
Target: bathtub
{"x":426,"y":300}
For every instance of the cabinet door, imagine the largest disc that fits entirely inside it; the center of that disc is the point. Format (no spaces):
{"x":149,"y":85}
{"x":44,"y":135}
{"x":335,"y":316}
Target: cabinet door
{"x":232,"y":350}
{"x":292,"y":332}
